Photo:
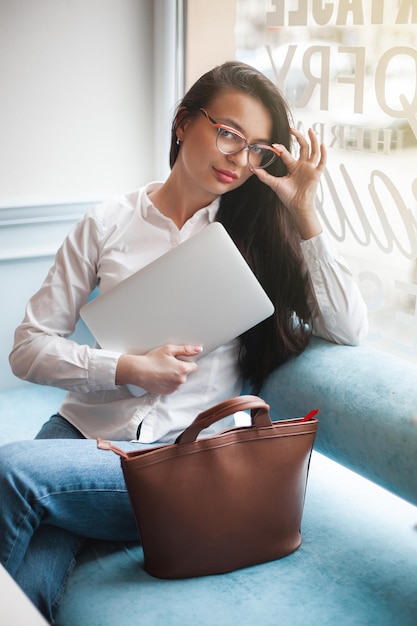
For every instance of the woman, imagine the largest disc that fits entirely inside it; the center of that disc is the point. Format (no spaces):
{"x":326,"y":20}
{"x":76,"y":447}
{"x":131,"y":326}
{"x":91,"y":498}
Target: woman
{"x":231,"y":161}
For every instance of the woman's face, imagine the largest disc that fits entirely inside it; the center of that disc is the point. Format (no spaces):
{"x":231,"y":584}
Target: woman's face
{"x":199,"y":158}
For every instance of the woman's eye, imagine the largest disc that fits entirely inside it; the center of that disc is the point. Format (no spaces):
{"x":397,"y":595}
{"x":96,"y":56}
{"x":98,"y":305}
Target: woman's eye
{"x":257,"y":149}
{"x":229,"y":136}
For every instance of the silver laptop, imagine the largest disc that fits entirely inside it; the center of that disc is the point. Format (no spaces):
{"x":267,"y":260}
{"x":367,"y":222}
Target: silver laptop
{"x":202,"y":292}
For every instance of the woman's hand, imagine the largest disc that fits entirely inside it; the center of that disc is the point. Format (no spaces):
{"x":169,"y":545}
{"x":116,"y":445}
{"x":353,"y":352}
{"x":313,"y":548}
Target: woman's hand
{"x":160,"y":371}
{"x":297,"y":190}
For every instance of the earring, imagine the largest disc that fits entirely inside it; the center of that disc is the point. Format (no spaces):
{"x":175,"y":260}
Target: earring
{"x":178,"y":142}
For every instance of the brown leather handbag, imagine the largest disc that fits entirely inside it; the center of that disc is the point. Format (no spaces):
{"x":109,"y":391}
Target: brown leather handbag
{"x":216,"y":504}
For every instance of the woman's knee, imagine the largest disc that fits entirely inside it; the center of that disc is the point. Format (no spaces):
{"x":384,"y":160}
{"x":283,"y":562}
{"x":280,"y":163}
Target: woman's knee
{"x":16,"y":469}
{"x":13,"y":454}
{"x":27,"y":465}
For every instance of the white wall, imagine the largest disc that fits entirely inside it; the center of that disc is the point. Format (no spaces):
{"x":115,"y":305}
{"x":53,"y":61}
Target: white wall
{"x":84,"y":85}
{"x":75,"y":111}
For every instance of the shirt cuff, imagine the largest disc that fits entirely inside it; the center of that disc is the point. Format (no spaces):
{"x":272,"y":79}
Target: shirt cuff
{"x":102,"y":369}
{"x":318,"y":247}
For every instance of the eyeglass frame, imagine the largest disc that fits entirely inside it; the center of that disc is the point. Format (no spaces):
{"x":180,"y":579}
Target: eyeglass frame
{"x":246,"y":145}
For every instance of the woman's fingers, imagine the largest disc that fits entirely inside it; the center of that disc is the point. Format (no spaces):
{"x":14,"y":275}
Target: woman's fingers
{"x":311,"y":150}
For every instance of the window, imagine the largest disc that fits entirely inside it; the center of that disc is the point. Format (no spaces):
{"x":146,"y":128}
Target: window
{"x":348,"y":70}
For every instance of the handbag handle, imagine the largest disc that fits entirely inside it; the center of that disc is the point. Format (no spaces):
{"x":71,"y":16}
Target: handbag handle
{"x":259,"y":414}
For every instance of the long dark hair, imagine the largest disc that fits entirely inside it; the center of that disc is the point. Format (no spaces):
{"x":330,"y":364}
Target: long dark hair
{"x":260,"y":226}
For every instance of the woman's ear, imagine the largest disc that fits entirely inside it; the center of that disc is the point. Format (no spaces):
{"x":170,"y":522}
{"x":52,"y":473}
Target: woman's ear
{"x":181,"y":122}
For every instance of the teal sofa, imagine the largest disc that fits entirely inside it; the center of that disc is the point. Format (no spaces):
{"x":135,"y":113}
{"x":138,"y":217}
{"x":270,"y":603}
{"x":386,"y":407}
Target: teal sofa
{"x":358,"y":561}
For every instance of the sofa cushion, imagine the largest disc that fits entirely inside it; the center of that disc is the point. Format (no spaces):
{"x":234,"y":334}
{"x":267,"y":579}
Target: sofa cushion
{"x":368,"y":409}
{"x":25,"y":408}
{"x":356,"y":566}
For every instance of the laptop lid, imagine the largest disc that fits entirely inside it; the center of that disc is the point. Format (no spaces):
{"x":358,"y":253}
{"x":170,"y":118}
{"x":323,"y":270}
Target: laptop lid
{"x":202,"y":292}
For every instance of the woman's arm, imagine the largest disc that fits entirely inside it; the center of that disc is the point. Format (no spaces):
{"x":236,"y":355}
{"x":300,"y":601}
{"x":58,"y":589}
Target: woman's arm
{"x":41,"y":352}
{"x":338,"y":311}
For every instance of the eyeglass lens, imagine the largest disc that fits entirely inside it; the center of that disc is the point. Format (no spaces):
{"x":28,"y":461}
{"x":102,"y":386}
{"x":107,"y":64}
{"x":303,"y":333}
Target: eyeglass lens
{"x":231,"y":143}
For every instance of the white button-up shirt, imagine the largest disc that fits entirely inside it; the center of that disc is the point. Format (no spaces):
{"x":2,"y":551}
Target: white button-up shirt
{"x":113,"y":240}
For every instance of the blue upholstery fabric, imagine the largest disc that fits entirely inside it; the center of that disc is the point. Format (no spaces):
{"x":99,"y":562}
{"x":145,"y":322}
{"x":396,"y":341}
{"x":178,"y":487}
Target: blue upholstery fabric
{"x":24,"y":409}
{"x":357,"y":563}
{"x":356,"y":566}
{"x":368,"y":409}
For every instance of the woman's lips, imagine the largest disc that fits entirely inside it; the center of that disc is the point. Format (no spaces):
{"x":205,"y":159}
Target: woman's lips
{"x":225,"y":176}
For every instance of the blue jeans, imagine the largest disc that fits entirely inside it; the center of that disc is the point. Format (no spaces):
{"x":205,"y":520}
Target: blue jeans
{"x":56,"y":492}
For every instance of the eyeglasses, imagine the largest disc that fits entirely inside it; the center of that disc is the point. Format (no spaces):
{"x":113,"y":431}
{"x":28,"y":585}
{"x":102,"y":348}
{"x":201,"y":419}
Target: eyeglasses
{"x":231,"y":141}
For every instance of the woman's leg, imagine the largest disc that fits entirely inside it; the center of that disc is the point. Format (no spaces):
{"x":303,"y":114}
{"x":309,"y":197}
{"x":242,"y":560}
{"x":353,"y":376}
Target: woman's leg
{"x":51,"y":553}
{"x":46,"y":567}
{"x":53,"y":493}
{"x":57,"y":427}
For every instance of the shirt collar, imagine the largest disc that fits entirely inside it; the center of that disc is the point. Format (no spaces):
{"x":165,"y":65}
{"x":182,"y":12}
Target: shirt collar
{"x":146,"y":205}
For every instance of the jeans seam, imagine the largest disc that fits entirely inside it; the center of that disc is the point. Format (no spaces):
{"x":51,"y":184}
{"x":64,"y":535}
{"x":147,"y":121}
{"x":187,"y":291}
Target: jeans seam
{"x":70,"y":569}
{"x":16,"y":537}
{"x":31,"y":508}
